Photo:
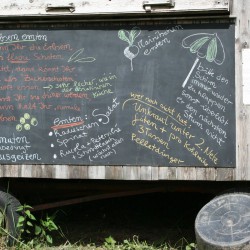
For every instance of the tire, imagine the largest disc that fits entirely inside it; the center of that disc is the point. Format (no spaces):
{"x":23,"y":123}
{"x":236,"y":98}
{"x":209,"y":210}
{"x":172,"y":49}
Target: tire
{"x":9,"y":216}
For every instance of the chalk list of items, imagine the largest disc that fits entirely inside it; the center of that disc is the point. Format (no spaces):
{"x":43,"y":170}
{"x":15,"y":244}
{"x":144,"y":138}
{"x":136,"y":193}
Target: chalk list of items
{"x":157,"y":95}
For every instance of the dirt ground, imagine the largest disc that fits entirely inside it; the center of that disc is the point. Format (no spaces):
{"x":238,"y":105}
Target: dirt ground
{"x":155,"y":218}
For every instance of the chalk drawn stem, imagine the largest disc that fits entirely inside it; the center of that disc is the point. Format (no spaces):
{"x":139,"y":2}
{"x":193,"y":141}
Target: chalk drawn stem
{"x":190,"y":72}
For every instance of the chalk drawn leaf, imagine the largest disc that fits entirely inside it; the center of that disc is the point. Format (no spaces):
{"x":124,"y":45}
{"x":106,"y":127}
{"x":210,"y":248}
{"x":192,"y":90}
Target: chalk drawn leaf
{"x":188,"y":41}
{"x":135,"y":32}
{"x":77,"y":54}
{"x":211,"y":50}
{"x":122,"y":34}
{"x":86,"y":59}
{"x":205,"y":45}
{"x":196,"y":45}
{"x":220,"y":53}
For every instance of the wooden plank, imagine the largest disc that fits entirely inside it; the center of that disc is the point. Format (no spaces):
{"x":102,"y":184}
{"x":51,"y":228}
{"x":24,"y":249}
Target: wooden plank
{"x":60,"y":171}
{"x":186,"y":173}
{"x":96,"y":172}
{"x":1,"y":171}
{"x":78,"y":172}
{"x":246,"y":75}
{"x":241,"y":10}
{"x":26,"y":170}
{"x":114,"y":172}
{"x":131,"y":173}
{"x":11,"y":170}
{"x":241,"y":159}
{"x":208,"y":174}
{"x":42,"y":171}
{"x":155,"y":173}
{"x":106,"y":7}
{"x":146,"y":172}
{"x":167,"y":173}
{"x":225,"y":174}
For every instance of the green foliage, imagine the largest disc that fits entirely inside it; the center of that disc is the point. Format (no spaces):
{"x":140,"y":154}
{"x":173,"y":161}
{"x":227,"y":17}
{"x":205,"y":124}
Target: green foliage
{"x":191,"y":246}
{"x":38,"y":232}
{"x":135,"y":244}
{"x":2,"y":219}
{"x":129,"y":37}
{"x":110,"y":243}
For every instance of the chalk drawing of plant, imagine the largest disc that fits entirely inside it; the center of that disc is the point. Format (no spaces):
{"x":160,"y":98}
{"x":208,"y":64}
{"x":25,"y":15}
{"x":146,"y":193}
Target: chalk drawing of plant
{"x":204,"y":45}
{"x":131,"y":51}
{"x":26,"y":121}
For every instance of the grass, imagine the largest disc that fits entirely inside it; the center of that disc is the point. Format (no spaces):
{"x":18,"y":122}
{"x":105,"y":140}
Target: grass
{"x":108,"y":244}
{"x":159,"y":222}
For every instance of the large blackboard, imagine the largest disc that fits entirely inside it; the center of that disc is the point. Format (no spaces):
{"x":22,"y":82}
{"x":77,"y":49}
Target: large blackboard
{"x":158,"y":94}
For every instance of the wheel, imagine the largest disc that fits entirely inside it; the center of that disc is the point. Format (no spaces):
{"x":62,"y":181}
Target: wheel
{"x":9,"y":217}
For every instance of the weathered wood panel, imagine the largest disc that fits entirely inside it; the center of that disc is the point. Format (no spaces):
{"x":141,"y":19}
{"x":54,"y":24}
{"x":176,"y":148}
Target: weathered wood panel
{"x":205,"y":174}
{"x":131,"y":173}
{"x":241,"y":9}
{"x":166,"y":173}
{"x":78,"y":172}
{"x":186,"y":173}
{"x":11,"y":171}
{"x":44,"y":171}
{"x":105,"y":7}
{"x":96,"y":172}
{"x":114,"y":172}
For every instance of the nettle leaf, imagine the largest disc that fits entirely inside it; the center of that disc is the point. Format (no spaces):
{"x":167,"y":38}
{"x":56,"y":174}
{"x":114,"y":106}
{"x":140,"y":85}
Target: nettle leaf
{"x":32,"y":217}
{"x":29,"y":224}
{"x":53,"y":226}
{"x":19,"y":209}
{"x":27,"y":207}
{"x":122,"y":34}
{"x":38,"y":230}
{"x":20,"y":219}
{"x":49,"y":239}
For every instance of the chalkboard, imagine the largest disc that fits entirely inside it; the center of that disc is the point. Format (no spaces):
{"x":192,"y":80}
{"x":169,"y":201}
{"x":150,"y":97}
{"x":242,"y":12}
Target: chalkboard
{"x":130,"y":93}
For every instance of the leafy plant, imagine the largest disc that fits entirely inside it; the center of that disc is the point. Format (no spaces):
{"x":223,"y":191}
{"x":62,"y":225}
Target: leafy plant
{"x":191,"y":246}
{"x":135,"y":244}
{"x":110,"y":243}
{"x":131,"y":51}
{"x":38,"y":231}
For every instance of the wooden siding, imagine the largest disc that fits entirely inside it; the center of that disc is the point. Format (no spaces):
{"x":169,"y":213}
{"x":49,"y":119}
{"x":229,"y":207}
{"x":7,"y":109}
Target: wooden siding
{"x":241,"y":10}
{"x":105,"y":7}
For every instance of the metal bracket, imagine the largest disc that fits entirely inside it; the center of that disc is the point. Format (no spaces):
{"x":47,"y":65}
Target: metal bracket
{"x":147,"y":5}
{"x":62,"y":8}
